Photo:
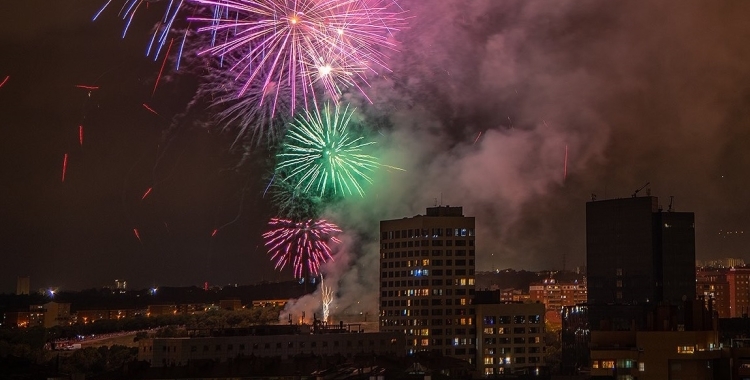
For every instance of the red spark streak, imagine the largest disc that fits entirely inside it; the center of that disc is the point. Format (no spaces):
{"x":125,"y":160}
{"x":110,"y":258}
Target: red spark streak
{"x":150,"y":109}
{"x":4,"y":80}
{"x":80,"y":134}
{"x":477,"y":139}
{"x":162,"y":66}
{"x":137,"y":235}
{"x":147,"y":193}
{"x":85,"y":87}
{"x":214,"y":232}
{"x":565,"y":167}
{"x":65,"y":166}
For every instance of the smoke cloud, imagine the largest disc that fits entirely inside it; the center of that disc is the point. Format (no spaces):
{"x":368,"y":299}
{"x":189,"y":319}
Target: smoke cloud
{"x":487,"y":96}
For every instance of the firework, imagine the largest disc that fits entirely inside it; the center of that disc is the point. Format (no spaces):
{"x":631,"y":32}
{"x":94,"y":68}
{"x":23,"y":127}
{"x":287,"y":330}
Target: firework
{"x":304,"y":245}
{"x":302,"y":42}
{"x":327,"y":295}
{"x":293,"y":203}
{"x":320,"y":155}
{"x":256,"y":116}
{"x":166,"y":25}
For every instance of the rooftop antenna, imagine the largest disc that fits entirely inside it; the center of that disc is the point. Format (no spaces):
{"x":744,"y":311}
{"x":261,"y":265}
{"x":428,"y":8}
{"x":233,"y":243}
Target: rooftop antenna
{"x":436,"y":202}
{"x":671,"y":200}
{"x":635,"y":194}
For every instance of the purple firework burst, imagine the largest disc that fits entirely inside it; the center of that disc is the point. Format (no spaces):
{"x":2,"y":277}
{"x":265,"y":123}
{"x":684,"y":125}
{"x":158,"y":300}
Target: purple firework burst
{"x":302,"y":244}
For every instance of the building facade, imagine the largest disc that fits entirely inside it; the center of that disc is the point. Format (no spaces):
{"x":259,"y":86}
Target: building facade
{"x":23,"y":285}
{"x":712,"y":285}
{"x":283,"y":341}
{"x":637,"y":253}
{"x":510,"y":338}
{"x":427,"y":281}
{"x":739,"y":292}
{"x":557,"y":294}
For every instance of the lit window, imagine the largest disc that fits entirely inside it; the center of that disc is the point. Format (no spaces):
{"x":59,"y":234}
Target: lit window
{"x":685,"y":349}
{"x":608,"y":364}
{"x":641,"y":366}
{"x":595,"y":364}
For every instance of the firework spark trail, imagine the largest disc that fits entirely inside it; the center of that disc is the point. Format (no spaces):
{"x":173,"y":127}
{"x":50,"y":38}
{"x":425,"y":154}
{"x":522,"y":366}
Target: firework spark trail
{"x":319,"y":154}
{"x":477,"y":139}
{"x":150,"y":109}
{"x":80,"y":135}
{"x":565,"y":166}
{"x":148,"y":191}
{"x":87,"y":87}
{"x":256,"y":116}
{"x":163,"y":29}
{"x":137,"y":235}
{"x":64,"y":166}
{"x":304,"y":245}
{"x":164,"y":63}
{"x":303,"y":42}
{"x":327,"y":295}
{"x":4,"y":80}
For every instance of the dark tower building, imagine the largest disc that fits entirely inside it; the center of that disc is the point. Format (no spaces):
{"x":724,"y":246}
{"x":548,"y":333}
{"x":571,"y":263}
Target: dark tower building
{"x":427,"y":281}
{"x":636,"y":253}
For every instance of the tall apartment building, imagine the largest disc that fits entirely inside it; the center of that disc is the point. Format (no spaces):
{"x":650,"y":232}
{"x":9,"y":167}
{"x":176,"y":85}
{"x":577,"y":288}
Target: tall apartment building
{"x":636,"y":253}
{"x":427,"y":281}
{"x":713,"y":286}
{"x":739,"y":292}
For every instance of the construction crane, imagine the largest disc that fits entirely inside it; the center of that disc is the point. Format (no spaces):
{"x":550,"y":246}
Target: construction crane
{"x":642,"y":187}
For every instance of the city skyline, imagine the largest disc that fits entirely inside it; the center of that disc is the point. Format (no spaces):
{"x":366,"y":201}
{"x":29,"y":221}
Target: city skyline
{"x":519,"y":114}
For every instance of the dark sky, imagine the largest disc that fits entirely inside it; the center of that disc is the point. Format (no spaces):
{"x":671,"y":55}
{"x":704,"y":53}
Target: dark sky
{"x":640,"y":92}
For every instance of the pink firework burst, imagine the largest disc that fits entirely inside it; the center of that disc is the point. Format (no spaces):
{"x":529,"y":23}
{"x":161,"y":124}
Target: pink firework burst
{"x":300,"y":43}
{"x":302,"y":244}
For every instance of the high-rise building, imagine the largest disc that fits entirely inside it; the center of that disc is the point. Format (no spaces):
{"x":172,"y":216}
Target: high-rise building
{"x":427,"y":281}
{"x":713,"y":286}
{"x":637,"y":253}
{"x":739,"y":292}
{"x":22,"y":285}
{"x":121,"y":284}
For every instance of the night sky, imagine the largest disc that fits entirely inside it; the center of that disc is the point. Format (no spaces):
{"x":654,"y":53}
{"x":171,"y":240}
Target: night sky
{"x":640,"y":92}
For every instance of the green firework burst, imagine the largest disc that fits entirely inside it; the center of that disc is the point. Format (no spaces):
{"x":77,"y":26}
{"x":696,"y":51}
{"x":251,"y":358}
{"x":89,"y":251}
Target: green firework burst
{"x":322,"y":156}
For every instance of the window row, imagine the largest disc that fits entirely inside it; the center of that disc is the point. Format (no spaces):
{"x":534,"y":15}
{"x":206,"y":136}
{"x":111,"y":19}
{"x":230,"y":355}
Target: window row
{"x":427,"y":272}
{"x":426,"y":253}
{"x":432,"y":302}
{"x":426,"y":263}
{"x":428,"y":243}
{"x":515,"y":340}
{"x":435,"y":292}
{"x":516,"y":319}
{"x":426,"y":233}
{"x":507,"y":350}
{"x":425,"y":282}
{"x":425,"y":312}
{"x":507,"y":330}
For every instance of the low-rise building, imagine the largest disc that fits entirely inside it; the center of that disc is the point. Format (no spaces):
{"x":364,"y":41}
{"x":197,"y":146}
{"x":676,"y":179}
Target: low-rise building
{"x":557,"y":294}
{"x":510,"y":338}
{"x":656,"y":355}
{"x":283,"y":341}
